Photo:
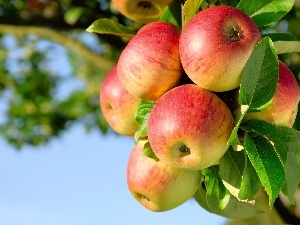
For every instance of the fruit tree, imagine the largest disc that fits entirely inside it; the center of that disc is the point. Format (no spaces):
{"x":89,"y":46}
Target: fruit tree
{"x":209,"y":103}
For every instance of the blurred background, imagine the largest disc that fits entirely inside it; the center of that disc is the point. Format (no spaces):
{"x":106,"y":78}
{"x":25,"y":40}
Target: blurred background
{"x":60,"y":163}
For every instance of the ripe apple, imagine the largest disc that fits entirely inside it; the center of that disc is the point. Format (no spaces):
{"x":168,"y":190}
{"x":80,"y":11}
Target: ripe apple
{"x":215,"y":45}
{"x":189,"y":126}
{"x":157,"y":186}
{"x":150,"y":63}
{"x":118,"y":105}
{"x":143,"y":11}
{"x":284,"y":106}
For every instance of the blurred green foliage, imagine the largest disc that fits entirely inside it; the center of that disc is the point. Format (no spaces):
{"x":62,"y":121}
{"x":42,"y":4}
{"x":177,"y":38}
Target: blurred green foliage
{"x":51,"y":68}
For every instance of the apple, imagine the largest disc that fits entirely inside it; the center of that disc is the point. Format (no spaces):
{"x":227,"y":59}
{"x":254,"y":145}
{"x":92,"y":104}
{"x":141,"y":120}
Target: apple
{"x":118,"y":105}
{"x":284,"y":106}
{"x":215,"y":45}
{"x":150,"y":64}
{"x":143,"y":11}
{"x":157,"y":186}
{"x":189,"y":126}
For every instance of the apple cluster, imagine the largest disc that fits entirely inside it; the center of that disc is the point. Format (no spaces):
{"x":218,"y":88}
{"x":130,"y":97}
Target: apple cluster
{"x":186,"y":72}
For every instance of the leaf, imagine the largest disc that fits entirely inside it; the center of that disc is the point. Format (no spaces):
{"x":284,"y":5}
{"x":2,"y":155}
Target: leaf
{"x":142,"y":116}
{"x":190,"y":8}
{"x":287,"y":46}
{"x":286,"y":143}
{"x":260,"y":76}
{"x":267,"y":11}
{"x":292,"y":139}
{"x":292,"y":176}
{"x":280,"y":37}
{"x":107,"y":26}
{"x":251,"y":183}
{"x":217,"y":195}
{"x":284,"y":42}
{"x":266,"y":163}
{"x":270,"y":132}
{"x":231,"y":167}
{"x":239,"y":115}
{"x":72,"y":15}
{"x":149,"y":152}
{"x":172,"y":14}
{"x":239,"y":175}
{"x":234,"y":209}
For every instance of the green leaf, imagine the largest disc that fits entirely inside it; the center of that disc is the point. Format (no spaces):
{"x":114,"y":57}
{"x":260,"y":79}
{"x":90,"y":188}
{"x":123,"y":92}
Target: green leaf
{"x":235,"y":209}
{"x":238,"y":175}
{"x":292,"y":139}
{"x":190,"y":8}
{"x":270,"y":132}
{"x":260,"y":76}
{"x":172,"y":14}
{"x":107,"y":26}
{"x":251,"y":183}
{"x":231,"y":167}
{"x":284,"y":42}
{"x":287,"y":46}
{"x":267,"y":11}
{"x":292,"y":176}
{"x":266,"y":163}
{"x":286,"y":143}
{"x":239,"y":115}
{"x":217,"y":195}
{"x":149,"y":152}
{"x":142,"y":116}
{"x":280,"y":37}
{"x":72,"y":15}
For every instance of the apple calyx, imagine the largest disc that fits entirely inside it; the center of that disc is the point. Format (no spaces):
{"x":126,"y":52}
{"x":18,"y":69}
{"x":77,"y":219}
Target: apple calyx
{"x":235,"y":34}
{"x":179,"y":150}
{"x":184,"y":149}
{"x":145,"y":5}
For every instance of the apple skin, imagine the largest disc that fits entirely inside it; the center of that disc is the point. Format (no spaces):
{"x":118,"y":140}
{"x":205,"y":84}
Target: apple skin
{"x":189,"y":127}
{"x":157,"y":186}
{"x":142,"y":11}
{"x":215,"y":46}
{"x":150,"y":63}
{"x":284,"y":106}
{"x":118,"y":105}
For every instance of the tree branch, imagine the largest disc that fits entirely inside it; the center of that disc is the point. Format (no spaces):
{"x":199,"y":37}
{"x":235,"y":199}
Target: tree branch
{"x":58,"y":37}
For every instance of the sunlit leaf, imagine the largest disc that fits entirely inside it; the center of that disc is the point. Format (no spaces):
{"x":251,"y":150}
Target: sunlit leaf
{"x":260,"y":76}
{"x":267,"y":11}
{"x":107,"y":26}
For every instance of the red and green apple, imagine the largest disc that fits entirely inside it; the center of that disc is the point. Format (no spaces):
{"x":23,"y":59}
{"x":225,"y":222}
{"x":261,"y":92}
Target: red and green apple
{"x":215,"y":46}
{"x":118,"y":105}
{"x":189,"y":126}
{"x":155,"y":185}
{"x":150,"y":63}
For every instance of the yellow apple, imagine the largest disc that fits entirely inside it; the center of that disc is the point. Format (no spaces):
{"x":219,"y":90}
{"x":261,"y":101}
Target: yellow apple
{"x":143,"y":11}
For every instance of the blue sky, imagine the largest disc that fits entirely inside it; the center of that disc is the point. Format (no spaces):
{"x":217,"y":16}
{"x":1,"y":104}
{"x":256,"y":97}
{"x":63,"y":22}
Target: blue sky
{"x":79,"y":179}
